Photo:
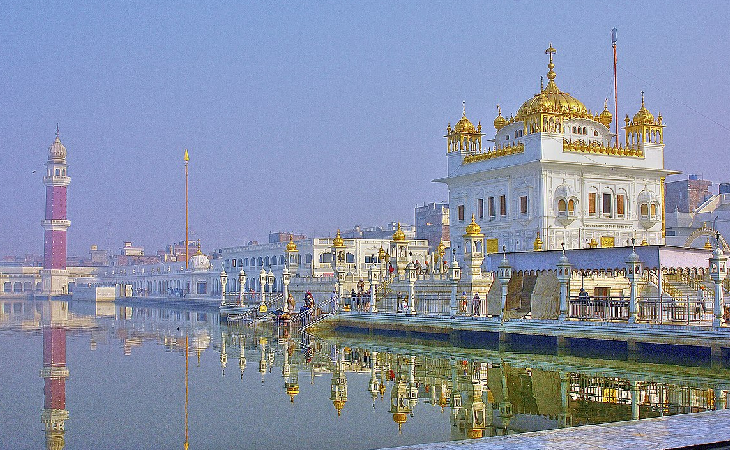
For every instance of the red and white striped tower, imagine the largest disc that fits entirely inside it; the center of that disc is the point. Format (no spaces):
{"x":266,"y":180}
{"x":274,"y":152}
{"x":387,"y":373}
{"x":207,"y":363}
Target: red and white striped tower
{"x":55,"y":224}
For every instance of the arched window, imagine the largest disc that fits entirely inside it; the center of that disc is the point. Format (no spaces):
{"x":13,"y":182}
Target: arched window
{"x":653,"y":210}
{"x":644,"y":210}
{"x":571,"y":207}
{"x":562,"y":207}
{"x":281,"y":260}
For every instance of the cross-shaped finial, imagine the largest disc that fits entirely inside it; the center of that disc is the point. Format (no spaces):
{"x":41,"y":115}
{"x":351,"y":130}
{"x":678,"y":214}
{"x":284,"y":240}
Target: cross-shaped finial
{"x":550,"y":50}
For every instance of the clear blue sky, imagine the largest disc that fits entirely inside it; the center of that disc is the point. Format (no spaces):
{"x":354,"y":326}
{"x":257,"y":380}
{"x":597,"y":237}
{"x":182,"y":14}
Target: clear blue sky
{"x":309,"y":117}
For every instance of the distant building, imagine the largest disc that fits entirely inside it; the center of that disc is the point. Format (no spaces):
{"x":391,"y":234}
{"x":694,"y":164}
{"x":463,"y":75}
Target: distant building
{"x":98,"y":257}
{"x":432,"y":223}
{"x":281,"y":236}
{"x":386,"y":232}
{"x":686,"y":195}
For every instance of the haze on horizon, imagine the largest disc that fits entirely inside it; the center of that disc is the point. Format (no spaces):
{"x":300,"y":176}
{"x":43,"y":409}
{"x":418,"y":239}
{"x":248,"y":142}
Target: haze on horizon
{"x":310,"y":117}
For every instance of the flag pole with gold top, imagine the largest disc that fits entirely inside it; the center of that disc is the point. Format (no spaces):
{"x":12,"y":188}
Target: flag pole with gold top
{"x":186,"y":158}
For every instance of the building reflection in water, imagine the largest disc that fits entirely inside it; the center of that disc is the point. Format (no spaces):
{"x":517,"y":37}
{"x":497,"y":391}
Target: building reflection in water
{"x":480,"y":393}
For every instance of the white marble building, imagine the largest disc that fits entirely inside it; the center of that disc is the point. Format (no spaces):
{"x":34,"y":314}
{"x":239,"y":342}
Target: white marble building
{"x":556,"y":175}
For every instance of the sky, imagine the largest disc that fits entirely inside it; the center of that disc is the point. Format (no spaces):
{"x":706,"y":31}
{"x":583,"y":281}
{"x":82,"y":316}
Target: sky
{"x":313,"y":116}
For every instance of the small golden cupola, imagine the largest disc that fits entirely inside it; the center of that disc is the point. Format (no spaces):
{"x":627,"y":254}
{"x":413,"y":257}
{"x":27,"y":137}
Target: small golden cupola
{"x":291,"y":246}
{"x":643,"y":128}
{"x":338,"y":241}
{"x":499,"y":121}
{"x":606,"y":118}
{"x":399,"y":235}
{"x":473,"y":229}
{"x":464,"y":136}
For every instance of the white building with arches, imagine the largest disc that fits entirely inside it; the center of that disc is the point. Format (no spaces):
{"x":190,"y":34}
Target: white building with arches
{"x":555,"y":174}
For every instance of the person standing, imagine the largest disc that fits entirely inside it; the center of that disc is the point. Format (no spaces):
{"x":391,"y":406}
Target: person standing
{"x":477,"y":304}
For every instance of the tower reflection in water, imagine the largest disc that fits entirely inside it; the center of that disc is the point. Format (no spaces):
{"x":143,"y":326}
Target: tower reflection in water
{"x":478,"y":393}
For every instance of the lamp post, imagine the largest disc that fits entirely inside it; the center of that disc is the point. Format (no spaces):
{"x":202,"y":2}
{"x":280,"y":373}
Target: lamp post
{"x":286,"y":278}
{"x":504,"y":274}
{"x":718,"y":272}
{"x":270,"y":282}
{"x":374,"y":278}
{"x":241,"y":286}
{"x":454,"y":276}
{"x":564,"y":271}
{"x":224,"y":281}
{"x":262,"y":285}
{"x":411,"y":275}
{"x":633,"y":271}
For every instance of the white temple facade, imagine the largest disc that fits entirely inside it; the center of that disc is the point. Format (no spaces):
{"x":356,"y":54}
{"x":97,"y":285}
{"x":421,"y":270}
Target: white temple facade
{"x":555,"y":175}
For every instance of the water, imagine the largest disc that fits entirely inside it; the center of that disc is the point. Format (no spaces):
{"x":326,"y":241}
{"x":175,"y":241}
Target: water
{"x":126,"y":368}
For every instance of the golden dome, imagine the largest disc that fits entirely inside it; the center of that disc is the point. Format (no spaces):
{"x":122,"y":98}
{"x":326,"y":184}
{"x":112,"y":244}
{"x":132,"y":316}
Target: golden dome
{"x":338,"y":241}
{"x":464,"y":125}
{"x":338,"y":404}
{"x":291,"y":246}
{"x":400,"y":419}
{"x":643,"y":116}
{"x":499,"y":121}
{"x":708,"y":246}
{"x":606,"y":117}
{"x":551,"y":99}
{"x":473,"y":229}
{"x":399,"y":235}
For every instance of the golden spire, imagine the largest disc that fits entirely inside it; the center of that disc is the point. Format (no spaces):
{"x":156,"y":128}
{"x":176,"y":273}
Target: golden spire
{"x":708,"y":246}
{"x":186,"y":157}
{"x":338,"y":241}
{"x":473,"y":229}
{"x":399,"y":235}
{"x":198,"y":252}
{"x":441,"y":249}
{"x":537,"y":244}
{"x":643,"y":116}
{"x":551,"y":73}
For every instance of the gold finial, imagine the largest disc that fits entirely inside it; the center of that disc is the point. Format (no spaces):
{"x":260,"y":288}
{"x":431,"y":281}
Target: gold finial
{"x":550,"y":51}
{"x":463,"y":108}
{"x":605,"y":117}
{"x":473,"y":229}
{"x":199,"y":252}
{"x":708,"y":246}
{"x":499,"y":121}
{"x":441,"y":249}
{"x":57,"y":132}
{"x":291,"y":247}
{"x":642,"y":99}
{"x":399,"y":235}
{"x":537,"y":244}
{"x":186,"y":157}
{"x":338,"y":241}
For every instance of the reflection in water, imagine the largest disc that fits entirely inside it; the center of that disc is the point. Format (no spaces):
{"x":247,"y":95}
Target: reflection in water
{"x":475,"y":393}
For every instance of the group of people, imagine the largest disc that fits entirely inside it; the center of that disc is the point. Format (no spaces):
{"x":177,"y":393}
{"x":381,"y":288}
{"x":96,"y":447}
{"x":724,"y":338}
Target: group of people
{"x":476,"y":304}
{"x":360,"y":300}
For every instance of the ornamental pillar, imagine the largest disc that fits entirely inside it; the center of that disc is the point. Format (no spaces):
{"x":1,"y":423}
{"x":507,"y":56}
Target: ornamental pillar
{"x":242,"y":286}
{"x":454,"y":276}
{"x":224,"y":281}
{"x":373,"y":278}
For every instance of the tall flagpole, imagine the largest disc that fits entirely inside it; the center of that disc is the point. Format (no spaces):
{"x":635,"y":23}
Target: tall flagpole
{"x":615,"y":84}
{"x":185,"y":447}
{"x":187,"y":257}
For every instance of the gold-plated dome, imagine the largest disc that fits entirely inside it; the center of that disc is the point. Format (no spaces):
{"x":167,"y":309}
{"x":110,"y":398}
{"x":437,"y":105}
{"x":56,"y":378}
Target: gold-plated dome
{"x":291,"y":247}
{"x":473,"y":229}
{"x":551,"y":99}
{"x":464,"y":125}
{"x":708,"y":245}
{"x":399,"y":235}
{"x":338,"y":241}
{"x":606,"y":118}
{"x":643,"y":116}
{"x":400,"y":419}
{"x":499,"y":121}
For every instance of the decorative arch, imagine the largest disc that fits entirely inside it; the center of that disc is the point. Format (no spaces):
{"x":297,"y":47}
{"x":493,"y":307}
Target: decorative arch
{"x":709,"y":232}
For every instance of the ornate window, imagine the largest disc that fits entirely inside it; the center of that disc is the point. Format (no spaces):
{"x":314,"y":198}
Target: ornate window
{"x":523,"y":204}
